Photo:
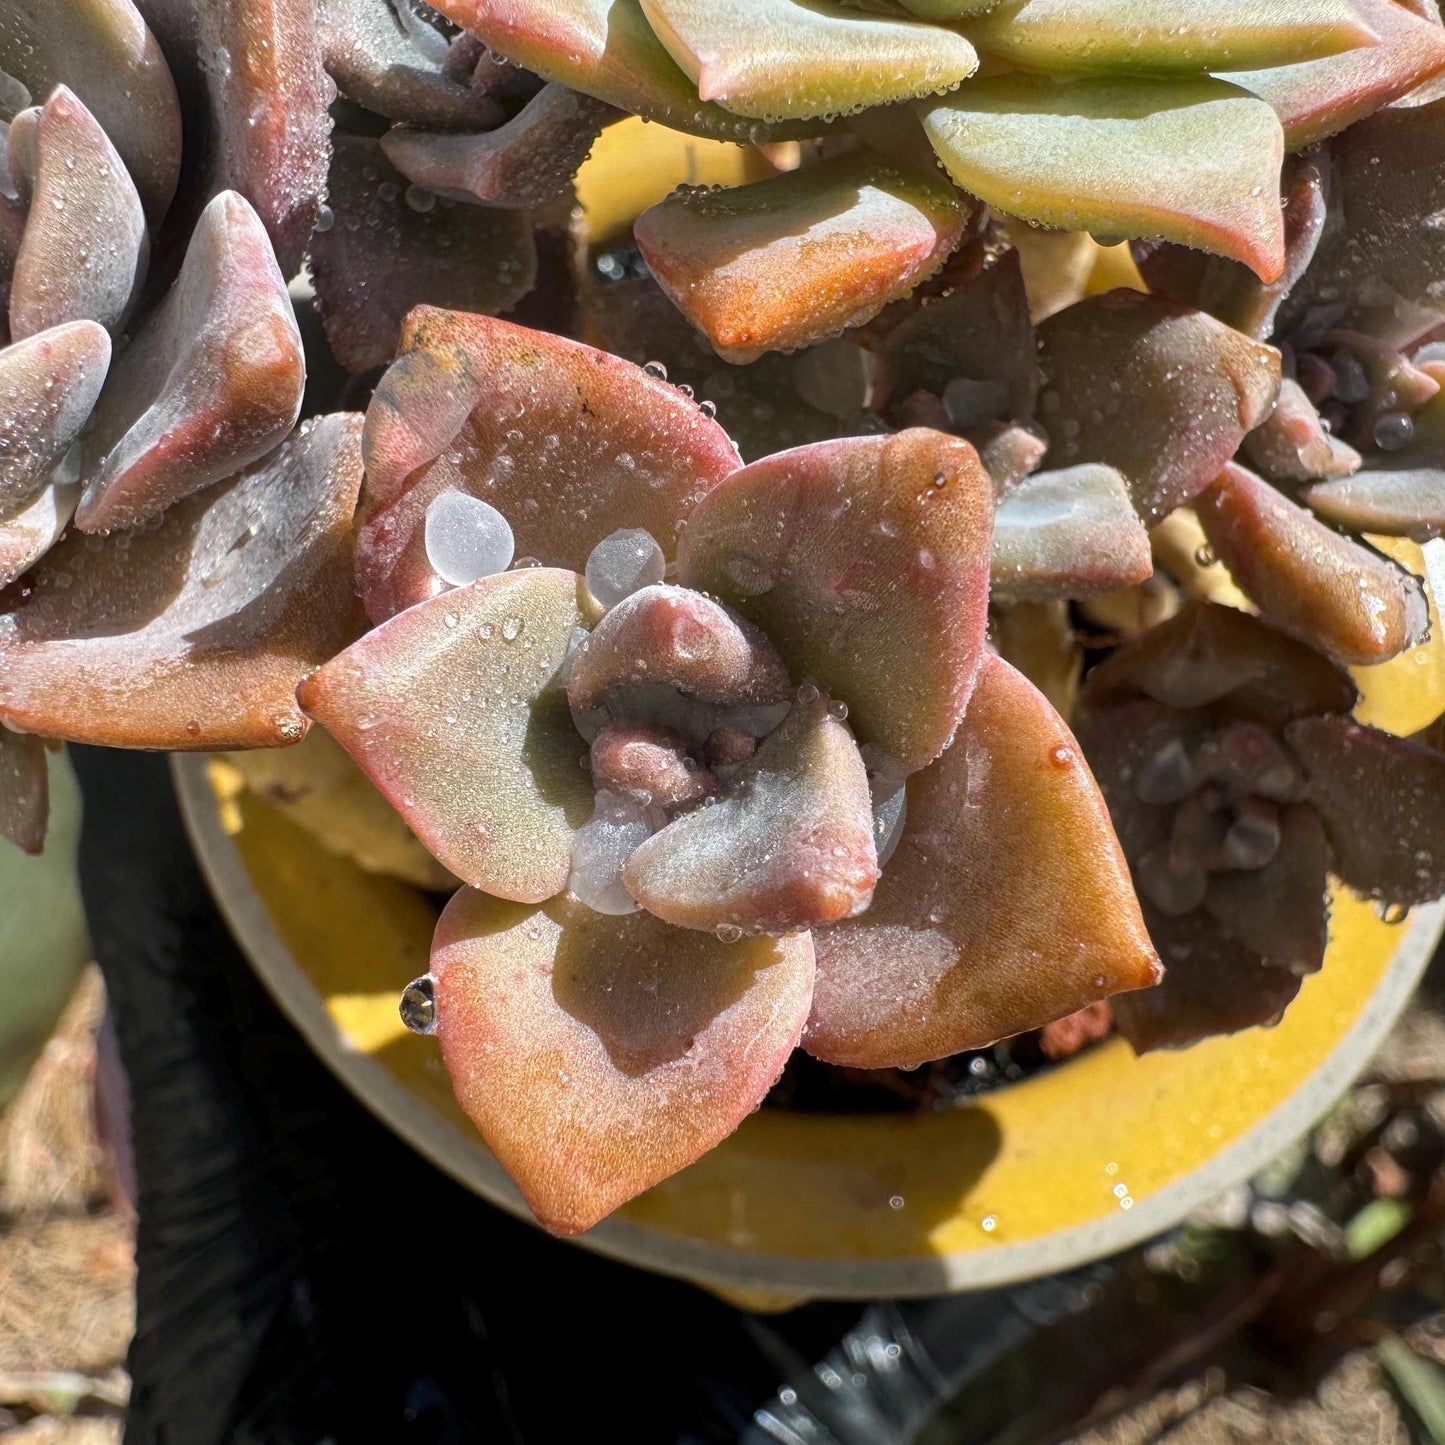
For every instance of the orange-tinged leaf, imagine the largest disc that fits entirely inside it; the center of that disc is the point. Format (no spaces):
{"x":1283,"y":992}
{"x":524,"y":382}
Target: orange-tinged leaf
{"x":866,"y":562}
{"x":1183,"y":159}
{"x":785,"y":262}
{"x":454,"y":708}
{"x":543,"y":428}
{"x":598,"y":1055}
{"x":1006,"y":905}
{"x":194,"y":634}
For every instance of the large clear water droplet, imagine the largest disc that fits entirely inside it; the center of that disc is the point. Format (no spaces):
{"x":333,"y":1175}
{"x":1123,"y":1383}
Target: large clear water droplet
{"x":418,"y":1008}
{"x":624,"y":563}
{"x":601,"y":848}
{"x":467,"y":538}
{"x":889,"y":787}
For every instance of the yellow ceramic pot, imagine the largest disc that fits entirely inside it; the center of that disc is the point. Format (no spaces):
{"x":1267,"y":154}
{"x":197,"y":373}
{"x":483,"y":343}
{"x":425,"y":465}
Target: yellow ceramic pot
{"x":1038,"y":1176}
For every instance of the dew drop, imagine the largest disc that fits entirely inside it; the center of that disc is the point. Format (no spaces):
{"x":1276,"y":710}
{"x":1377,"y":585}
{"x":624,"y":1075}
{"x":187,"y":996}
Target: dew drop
{"x":1206,"y":556}
{"x":623,"y":563}
{"x":656,"y":370}
{"x":896,"y":1202}
{"x":466,"y":538}
{"x":418,"y":1008}
{"x":600,"y":850}
{"x":325,"y":220}
{"x":1393,"y":914}
{"x":420,"y":200}
{"x":1393,"y":431}
{"x":729,"y":932}
{"x":988,"y":1223}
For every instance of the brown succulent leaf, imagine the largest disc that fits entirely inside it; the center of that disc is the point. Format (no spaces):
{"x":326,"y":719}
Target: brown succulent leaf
{"x":637,"y":1047}
{"x":1396,"y":384}
{"x":1380,"y":259}
{"x":785,"y":262}
{"x":391,"y":248}
{"x":1382,"y":799}
{"x":269,"y":100}
{"x":1067,"y":534}
{"x":527,"y":162}
{"x":649,"y":766}
{"x":606,"y":48}
{"x":969,"y":939}
{"x":1280,"y":912}
{"x":455,"y":710}
{"x":1229,"y":289}
{"x":1157,"y":36}
{"x":678,"y":638}
{"x":84,"y":249}
{"x":1344,"y":600}
{"x":403,"y":71}
{"x":24,"y":790}
{"x":1207,"y":654}
{"x":1400,"y":493}
{"x":1162,"y":392}
{"x":866,"y":563}
{"x":1317,"y":98}
{"x":787,"y":845}
{"x":28,"y":533}
{"x":103,"y":51}
{"x":50,"y":383}
{"x":1212,"y":985}
{"x":1009,"y":452}
{"x":1187,"y":159}
{"x":210,"y":384}
{"x":777,"y":59}
{"x":194,"y":634}
{"x":569,"y":443}
{"x":1291,"y":444}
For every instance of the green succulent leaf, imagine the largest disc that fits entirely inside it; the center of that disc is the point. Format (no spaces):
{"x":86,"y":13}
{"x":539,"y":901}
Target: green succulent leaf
{"x":24,"y":790}
{"x":83,"y":253}
{"x":382,"y":256}
{"x":1393,"y":849}
{"x":569,"y":443}
{"x":1067,"y":534}
{"x":1316,"y":98}
{"x":195,"y":632}
{"x":637,"y":1047}
{"x":1161,"y":392}
{"x":806,"y":59}
{"x":788,"y":845}
{"x":787,"y":261}
{"x":1343,"y":599}
{"x":1185,"y":159}
{"x":211,"y":383}
{"x":1007,"y":849}
{"x":1162,"y":36}
{"x":102,"y":50}
{"x":455,"y":710}
{"x":866,"y":563}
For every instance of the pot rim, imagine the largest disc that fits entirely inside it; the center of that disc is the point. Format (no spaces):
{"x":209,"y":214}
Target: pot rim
{"x":737,"y":1268}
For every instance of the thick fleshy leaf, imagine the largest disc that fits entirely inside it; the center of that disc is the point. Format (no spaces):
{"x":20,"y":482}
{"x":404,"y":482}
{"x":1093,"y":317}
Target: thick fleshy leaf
{"x":1212,"y":985}
{"x":24,"y":790}
{"x":568,"y":443}
{"x":789,"y":844}
{"x":48,"y":386}
{"x":1009,"y":453}
{"x":28,"y":534}
{"x":1383,"y":803}
{"x":1316,"y":98}
{"x":1207,"y":654}
{"x":390,"y":248}
{"x":1380,"y":260}
{"x":866,"y":563}
{"x":1069,"y":533}
{"x":1006,"y":905}
{"x":1348,"y":602}
{"x":194,"y":634}
{"x":1161,"y":392}
{"x":1160,"y":35}
{"x":211,"y":383}
{"x":681,"y":639}
{"x":102,"y":50}
{"x":1183,"y":159}
{"x":386,"y":58}
{"x":806,"y":59}
{"x":1291,"y":444}
{"x":634,"y":1047}
{"x":1395,"y":384}
{"x":606,"y":48}
{"x":269,"y":100}
{"x":1280,"y":912}
{"x":784,"y":262}
{"x":84,"y":249}
{"x":455,"y":710}
{"x":529,"y":161}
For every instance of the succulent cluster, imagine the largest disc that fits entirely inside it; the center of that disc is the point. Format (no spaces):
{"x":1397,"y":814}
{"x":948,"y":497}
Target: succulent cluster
{"x":709,"y":604}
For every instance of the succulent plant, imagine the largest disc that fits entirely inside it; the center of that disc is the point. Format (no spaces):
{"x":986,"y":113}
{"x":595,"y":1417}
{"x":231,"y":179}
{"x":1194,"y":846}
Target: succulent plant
{"x":707,"y":603}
